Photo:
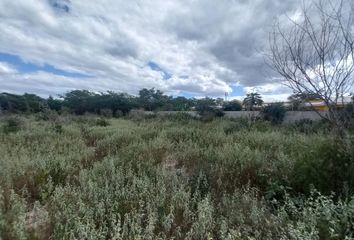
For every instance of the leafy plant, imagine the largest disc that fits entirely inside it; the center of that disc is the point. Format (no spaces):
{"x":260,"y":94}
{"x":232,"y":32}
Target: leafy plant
{"x":101,"y":122}
{"x":12,"y":125}
{"x":274,"y":112}
{"x":234,"y":105}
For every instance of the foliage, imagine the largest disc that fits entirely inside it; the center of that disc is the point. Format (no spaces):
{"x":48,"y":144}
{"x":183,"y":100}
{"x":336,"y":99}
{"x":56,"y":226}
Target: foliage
{"x":274,"y":112}
{"x":308,"y":126}
{"x":182,"y":117}
{"x":151,"y":99}
{"x":102,"y":122}
{"x":234,"y":105}
{"x":11,"y":125}
{"x":30,"y":103}
{"x":108,"y":104}
{"x":161,"y":178}
{"x":252,"y":100}
{"x":346,"y":114}
{"x":54,"y":104}
{"x":79,"y":101}
{"x":207,"y":110}
{"x":181,"y":104}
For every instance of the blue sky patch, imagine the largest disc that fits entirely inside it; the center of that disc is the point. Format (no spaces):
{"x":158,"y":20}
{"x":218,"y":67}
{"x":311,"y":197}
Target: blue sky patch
{"x":237,"y":91}
{"x":155,"y":67}
{"x":25,"y":67}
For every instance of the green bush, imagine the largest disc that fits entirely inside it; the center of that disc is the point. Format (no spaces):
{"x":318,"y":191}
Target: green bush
{"x":208,"y":113}
{"x":106,"y":112}
{"x":274,"y":112}
{"x":234,"y":105}
{"x":207,"y":109}
{"x":47,"y":115}
{"x":309,"y":127}
{"x":326,"y":166}
{"x":179,"y":117}
{"x":319,"y":217}
{"x":58,"y":128}
{"x":12,"y":125}
{"x":101,"y":122}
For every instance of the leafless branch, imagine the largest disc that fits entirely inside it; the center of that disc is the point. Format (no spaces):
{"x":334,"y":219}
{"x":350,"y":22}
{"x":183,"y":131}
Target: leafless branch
{"x":315,"y":54}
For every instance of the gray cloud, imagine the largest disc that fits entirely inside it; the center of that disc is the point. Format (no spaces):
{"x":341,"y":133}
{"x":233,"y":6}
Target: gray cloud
{"x":217,"y":44}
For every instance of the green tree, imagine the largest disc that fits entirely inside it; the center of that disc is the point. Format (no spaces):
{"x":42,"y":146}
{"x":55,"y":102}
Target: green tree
{"x":274,"y":112}
{"x":78,"y":101}
{"x":233,"y":105}
{"x":34,"y":103}
{"x":54,"y":104}
{"x":151,"y":99}
{"x":119,"y":102}
{"x":252,"y":100}
{"x":13,"y":103}
{"x":181,"y":104}
{"x":206,"y":108}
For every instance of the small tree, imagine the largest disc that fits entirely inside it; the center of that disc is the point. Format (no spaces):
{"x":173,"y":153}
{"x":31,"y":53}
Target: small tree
{"x":181,"y":104}
{"x":206,"y":108}
{"x":252,"y":100}
{"x":274,"y":112}
{"x":315,"y":55}
{"x":151,"y":99}
{"x":234,"y":105}
{"x":54,"y":104}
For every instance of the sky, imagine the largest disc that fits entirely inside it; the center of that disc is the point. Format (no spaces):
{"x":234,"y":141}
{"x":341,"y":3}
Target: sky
{"x":193,"y":48}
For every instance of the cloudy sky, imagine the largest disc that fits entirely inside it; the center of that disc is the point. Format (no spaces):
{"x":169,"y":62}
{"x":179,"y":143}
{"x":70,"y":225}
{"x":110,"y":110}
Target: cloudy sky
{"x":184,"y":47}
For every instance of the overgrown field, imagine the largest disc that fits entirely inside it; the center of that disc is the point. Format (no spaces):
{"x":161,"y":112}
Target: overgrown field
{"x":172,"y":178}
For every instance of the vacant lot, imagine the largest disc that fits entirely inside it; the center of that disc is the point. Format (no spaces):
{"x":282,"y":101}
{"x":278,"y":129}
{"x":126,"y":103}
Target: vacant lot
{"x":87,"y":178}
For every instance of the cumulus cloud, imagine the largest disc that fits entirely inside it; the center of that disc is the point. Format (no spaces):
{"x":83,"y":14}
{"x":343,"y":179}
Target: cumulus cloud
{"x":206,"y":46}
{"x":6,"y":68}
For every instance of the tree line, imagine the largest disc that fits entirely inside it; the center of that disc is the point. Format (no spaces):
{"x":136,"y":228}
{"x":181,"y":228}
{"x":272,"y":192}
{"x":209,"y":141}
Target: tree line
{"x":112,"y":103}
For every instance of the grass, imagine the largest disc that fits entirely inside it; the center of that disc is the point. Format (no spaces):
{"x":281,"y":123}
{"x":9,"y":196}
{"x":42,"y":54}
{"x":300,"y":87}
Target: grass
{"x":165,"y":178}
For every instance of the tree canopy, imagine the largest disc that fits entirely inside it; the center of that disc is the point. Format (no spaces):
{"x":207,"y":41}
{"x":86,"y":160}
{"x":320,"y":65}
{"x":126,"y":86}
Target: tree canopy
{"x":115,"y":104}
{"x":252,"y":100}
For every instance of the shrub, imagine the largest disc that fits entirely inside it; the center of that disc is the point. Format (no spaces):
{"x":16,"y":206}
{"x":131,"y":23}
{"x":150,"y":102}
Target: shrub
{"x":12,"y":125}
{"x":234,"y":105}
{"x":218,"y":112}
{"x":207,"y":109}
{"x":118,"y":114}
{"x":47,"y":115}
{"x":347,"y":115}
{"x":304,"y":126}
{"x":138,"y":114}
{"x":326,"y":166}
{"x":208,"y":113}
{"x":308,"y":126}
{"x":274,"y":112}
{"x":318,"y":217}
{"x":178,"y":116}
{"x":58,"y":128}
{"x":106,"y":112}
{"x":101,"y":122}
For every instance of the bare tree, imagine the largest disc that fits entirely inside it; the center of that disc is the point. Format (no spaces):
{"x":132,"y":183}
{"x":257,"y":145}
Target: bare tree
{"x":315,"y":53}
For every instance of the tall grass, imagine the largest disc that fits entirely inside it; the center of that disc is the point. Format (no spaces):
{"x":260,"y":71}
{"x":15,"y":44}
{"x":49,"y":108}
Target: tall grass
{"x":172,"y":179}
